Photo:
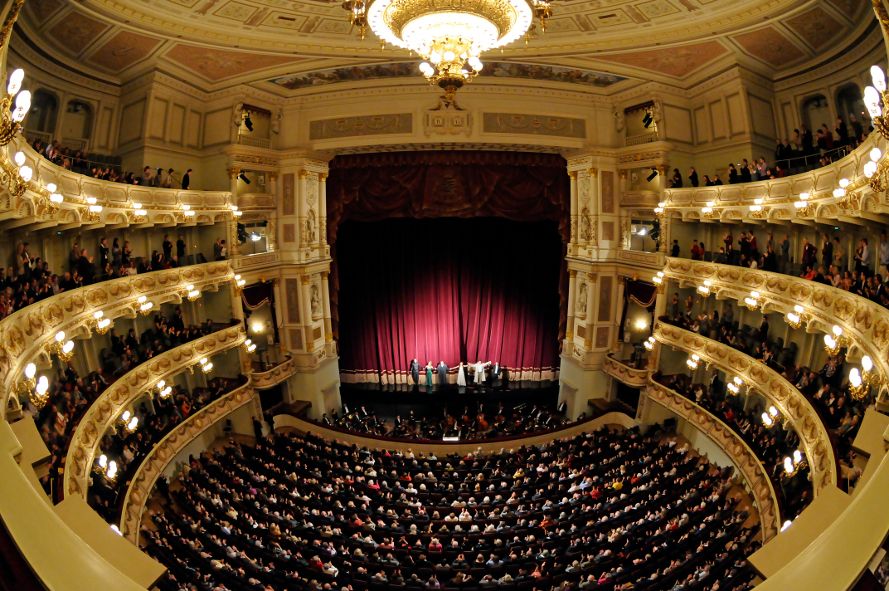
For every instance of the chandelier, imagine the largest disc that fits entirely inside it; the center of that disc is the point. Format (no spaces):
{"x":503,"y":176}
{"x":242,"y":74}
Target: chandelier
{"x":449,"y":35}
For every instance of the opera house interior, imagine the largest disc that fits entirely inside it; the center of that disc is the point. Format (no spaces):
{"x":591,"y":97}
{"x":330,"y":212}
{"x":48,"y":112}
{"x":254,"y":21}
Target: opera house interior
{"x":527,"y":295}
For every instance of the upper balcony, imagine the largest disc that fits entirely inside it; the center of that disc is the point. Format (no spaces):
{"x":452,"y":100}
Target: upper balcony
{"x":56,"y":197}
{"x":840,"y":191}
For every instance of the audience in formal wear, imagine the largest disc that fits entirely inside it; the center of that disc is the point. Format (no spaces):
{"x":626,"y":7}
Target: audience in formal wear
{"x":615,"y":510}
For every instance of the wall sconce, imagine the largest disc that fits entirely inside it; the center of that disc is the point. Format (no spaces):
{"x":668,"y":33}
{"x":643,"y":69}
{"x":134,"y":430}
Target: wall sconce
{"x":240,"y":282}
{"x":870,"y":377}
{"x":734,"y":386}
{"x":875,"y":98}
{"x":752,"y":301}
{"x":144,"y":305}
{"x":802,"y":206}
{"x":163,"y":390}
{"x":40,"y":394}
{"x":793,"y":464}
{"x":796,"y":318}
{"x":187,"y":211}
{"x":11,"y":121}
{"x":101,"y":324}
{"x":704,"y":289}
{"x":111,"y":470}
{"x":191,"y":293}
{"x":235,"y":211}
{"x":61,"y":348}
{"x":129,"y":420}
{"x":249,"y":346}
{"x":857,"y":388}
{"x":660,"y":209}
{"x":28,"y":382}
{"x":139,"y":215}
{"x":770,"y":417}
{"x":649,"y":343}
{"x":693,"y":362}
{"x":206,"y":365}
{"x":658,"y":279}
{"x":833,"y":343}
{"x":93,"y":210}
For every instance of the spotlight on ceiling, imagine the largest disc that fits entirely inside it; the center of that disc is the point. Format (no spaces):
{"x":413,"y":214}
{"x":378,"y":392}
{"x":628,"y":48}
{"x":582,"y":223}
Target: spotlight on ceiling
{"x":244,"y":178}
{"x":651,"y":176}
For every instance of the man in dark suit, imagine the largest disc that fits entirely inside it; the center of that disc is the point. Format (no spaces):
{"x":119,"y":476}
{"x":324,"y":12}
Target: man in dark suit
{"x":415,"y":371}
{"x":442,"y":370}
{"x":494,"y":376}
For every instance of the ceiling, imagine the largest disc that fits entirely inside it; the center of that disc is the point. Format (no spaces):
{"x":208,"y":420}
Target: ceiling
{"x":288,"y":45}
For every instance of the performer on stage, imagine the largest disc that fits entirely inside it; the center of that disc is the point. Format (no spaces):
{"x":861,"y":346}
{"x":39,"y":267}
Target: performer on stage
{"x":415,"y":371}
{"x":494,"y":375}
{"x":442,"y":374}
{"x":461,"y":375}
{"x":480,"y":372}
{"x":429,"y":369}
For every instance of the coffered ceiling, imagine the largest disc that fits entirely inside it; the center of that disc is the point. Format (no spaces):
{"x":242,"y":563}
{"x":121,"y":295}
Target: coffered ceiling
{"x":288,"y":45}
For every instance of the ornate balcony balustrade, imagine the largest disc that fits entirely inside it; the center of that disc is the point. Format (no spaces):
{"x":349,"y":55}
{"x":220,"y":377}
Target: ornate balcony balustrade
{"x":262,"y":380}
{"x":102,"y":414}
{"x":25,"y":334}
{"x":748,"y":464}
{"x":621,"y":371}
{"x":780,"y":198}
{"x":789,"y":401}
{"x":864,"y":321}
{"x":91,"y":201}
{"x":139,"y":491}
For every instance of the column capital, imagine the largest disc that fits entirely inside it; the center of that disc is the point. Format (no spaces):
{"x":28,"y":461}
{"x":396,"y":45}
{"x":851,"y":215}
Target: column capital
{"x":303,"y":173}
{"x":593,"y":171}
{"x":323,"y":177}
{"x":305,"y":279}
{"x":572,"y":273}
{"x":572,"y":174}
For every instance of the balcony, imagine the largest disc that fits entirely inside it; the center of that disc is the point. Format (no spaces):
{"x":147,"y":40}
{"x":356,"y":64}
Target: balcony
{"x":789,"y":401}
{"x":277,"y":374}
{"x":104,"y":411}
{"x":625,"y":373}
{"x":745,"y":460}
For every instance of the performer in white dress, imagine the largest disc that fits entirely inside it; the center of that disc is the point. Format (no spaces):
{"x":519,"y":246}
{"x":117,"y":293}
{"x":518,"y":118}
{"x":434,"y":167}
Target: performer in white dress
{"x":480,"y":372}
{"x":461,"y":376}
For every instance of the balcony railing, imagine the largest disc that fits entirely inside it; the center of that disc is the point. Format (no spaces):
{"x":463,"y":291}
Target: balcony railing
{"x":624,"y":372}
{"x":269,"y":378}
{"x":790,"y":402}
{"x":26,"y":333}
{"x":161,"y":206}
{"x":734,"y":202}
{"x":105,"y":410}
{"x":139,"y":491}
{"x":745,"y":460}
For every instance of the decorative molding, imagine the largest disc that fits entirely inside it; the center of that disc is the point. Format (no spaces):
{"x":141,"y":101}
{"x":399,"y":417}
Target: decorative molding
{"x":139,"y":491}
{"x":534,"y":125}
{"x":100,"y":416}
{"x":864,"y":321}
{"x":273,"y":376}
{"x":362,"y":125}
{"x":25,"y":333}
{"x":789,"y":401}
{"x":620,"y":371}
{"x":254,"y":261}
{"x":745,"y":460}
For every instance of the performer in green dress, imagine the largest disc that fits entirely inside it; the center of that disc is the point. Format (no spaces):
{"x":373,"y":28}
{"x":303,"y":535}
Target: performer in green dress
{"x":429,"y":369}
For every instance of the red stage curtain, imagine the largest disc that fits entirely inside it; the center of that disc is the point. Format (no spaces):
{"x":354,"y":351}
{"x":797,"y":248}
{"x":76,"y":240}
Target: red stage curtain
{"x":516,"y":186}
{"x":451,"y":290}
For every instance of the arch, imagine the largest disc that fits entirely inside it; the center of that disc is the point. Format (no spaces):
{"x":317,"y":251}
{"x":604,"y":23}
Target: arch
{"x":849,"y":103}
{"x":815,"y":111}
{"x":44,"y":112}
{"x":77,"y":124}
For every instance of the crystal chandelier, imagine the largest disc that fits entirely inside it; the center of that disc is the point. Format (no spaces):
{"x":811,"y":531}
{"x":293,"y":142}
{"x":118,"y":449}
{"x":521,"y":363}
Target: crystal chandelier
{"x":449,"y":35}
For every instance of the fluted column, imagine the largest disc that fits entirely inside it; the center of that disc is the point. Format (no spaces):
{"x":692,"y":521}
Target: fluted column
{"x":572,"y":285}
{"x":325,"y":300}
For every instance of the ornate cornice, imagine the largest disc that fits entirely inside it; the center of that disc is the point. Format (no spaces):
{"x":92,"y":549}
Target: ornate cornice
{"x":25,"y":333}
{"x":789,"y":401}
{"x":622,"y":372}
{"x":167,"y":449}
{"x":100,"y":416}
{"x":864,"y":321}
{"x":274,"y":376}
{"x":745,"y":460}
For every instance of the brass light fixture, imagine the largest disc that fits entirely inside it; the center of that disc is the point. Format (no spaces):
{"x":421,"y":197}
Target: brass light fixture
{"x":693,"y":361}
{"x":734,"y":386}
{"x":704,"y":289}
{"x":61,"y":348}
{"x":249,"y":346}
{"x":101,"y":324}
{"x":876,"y":99}
{"x":145,"y":306}
{"x":191,"y":293}
{"x":796,"y":318}
{"x":752,"y":301}
{"x":448,"y":35}
{"x":833,"y":343}
{"x":11,"y":119}
{"x":792,"y":464}
{"x":770,"y":417}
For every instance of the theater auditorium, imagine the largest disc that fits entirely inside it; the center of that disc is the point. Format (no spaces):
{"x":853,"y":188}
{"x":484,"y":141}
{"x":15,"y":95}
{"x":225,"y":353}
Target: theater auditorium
{"x":463,"y":295}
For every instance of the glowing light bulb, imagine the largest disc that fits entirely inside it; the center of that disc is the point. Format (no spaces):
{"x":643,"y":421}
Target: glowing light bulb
{"x":878,"y":78}
{"x":872,"y":101}
{"x":870,"y":169}
{"x":15,"y":81}
{"x":867,"y":364}
{"x":19,"y":158}
{"x":875,"y":154}
{"x":51,"y":187}
{"x":30,"y":371}
{"x":855,"y":378}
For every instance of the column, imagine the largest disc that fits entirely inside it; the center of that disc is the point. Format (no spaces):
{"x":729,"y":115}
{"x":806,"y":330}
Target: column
{"x":322,"y":215}
{"x":618,"y":310}
{"x":590,"y":313}
{"x":301,"y":208}
{"x":572,"y":287}
{"x":325,"y":300}
{"x":574,"y":229}
{"x":305,"y":280}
